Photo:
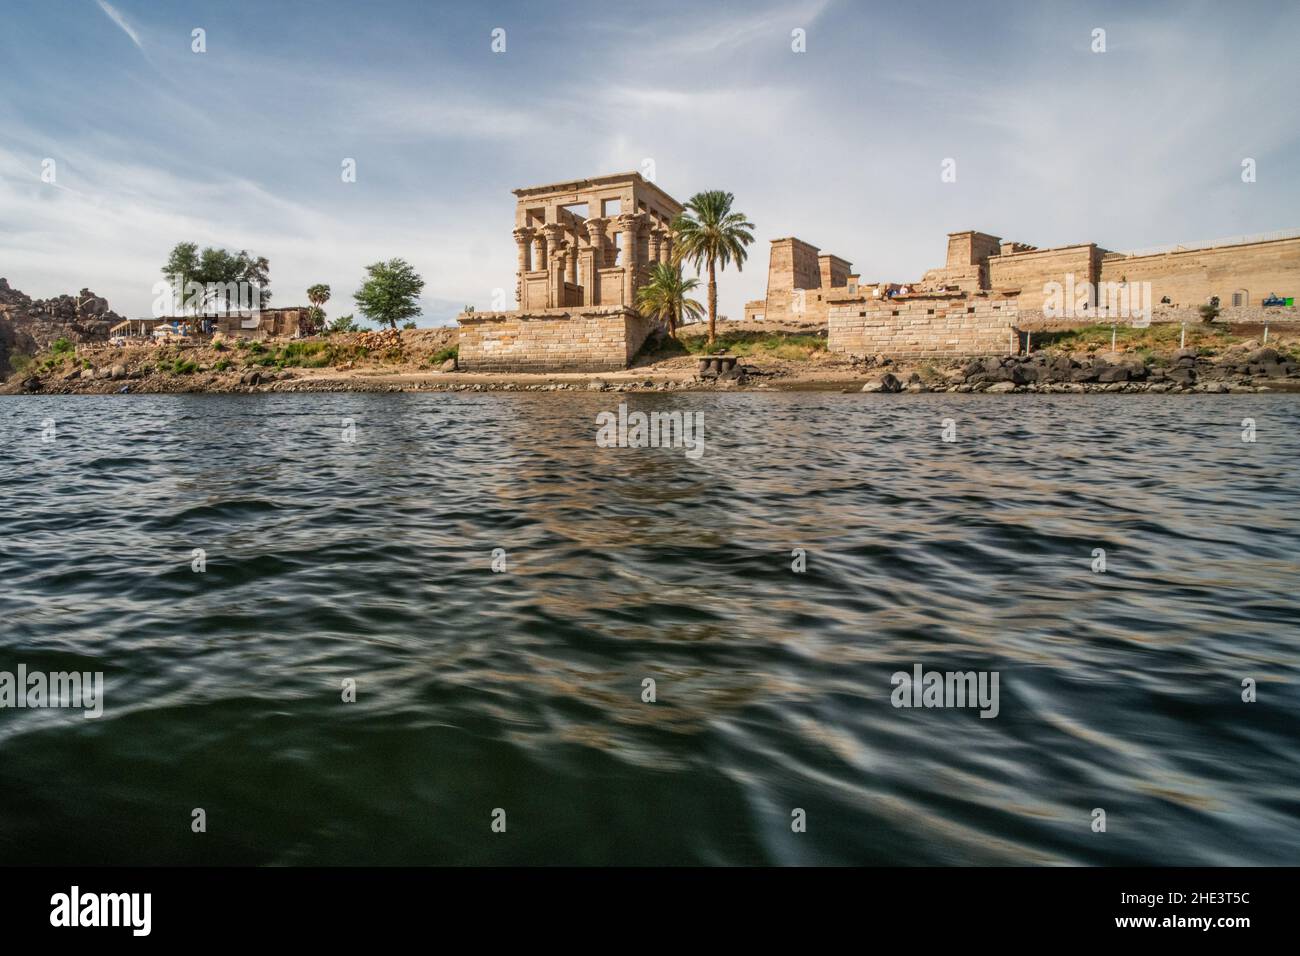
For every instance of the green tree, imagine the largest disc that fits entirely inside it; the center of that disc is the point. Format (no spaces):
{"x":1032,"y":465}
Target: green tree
{"x":182,"y":268}
{"x":710,"y":235}
{"x":219,"y":272}
{"x":391,"y":293}
{"x":664,"y":296}
{"x":217,"y":269}
{"x":318,"y":295}
{"x":256,"y":270}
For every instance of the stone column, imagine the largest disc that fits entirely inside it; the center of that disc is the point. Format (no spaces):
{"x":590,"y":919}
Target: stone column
{"x":630,"y":224}
{"x":524,"y":240}
{"x":656,"y":244}
{"x":667,"y":245}
{"x":596,"y":236}
{"x":539,"y":259}
{"x":571,"y":261}
{"x":554,"y":264}
{"x":593,"y":259}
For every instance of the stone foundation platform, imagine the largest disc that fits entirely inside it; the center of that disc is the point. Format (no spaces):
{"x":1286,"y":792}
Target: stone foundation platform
{"x":575,"y":339}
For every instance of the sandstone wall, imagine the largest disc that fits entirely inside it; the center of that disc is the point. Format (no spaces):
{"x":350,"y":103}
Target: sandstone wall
{"x":592,"y":339}
{"x":1029,"y":272}
{"x":921,"y":326}
{"x":1192,"y":276}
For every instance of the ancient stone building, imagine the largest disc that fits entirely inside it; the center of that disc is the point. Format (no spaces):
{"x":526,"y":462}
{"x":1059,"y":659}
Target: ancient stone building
{"x":590,"y":241}
{"x":1239,"y":273}
{"x":584,"y":248}
{"x":800,"y":277}
{"x":988,"y":286}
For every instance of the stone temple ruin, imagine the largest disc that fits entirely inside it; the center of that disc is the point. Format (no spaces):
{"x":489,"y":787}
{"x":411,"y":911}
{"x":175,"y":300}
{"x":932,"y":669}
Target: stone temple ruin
{"x":584,"y":248}
{"x":989,"y":290}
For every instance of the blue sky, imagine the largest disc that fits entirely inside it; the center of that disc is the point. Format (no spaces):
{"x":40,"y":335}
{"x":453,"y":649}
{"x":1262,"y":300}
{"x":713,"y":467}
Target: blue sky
{"x":842,"y":145}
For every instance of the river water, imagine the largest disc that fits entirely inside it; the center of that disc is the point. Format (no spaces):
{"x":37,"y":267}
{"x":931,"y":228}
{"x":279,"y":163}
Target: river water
{"x":770,"y":588}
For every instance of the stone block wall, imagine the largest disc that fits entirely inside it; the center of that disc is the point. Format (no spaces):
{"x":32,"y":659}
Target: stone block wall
{"x":1189,"y":277}
{"x":594,"y":339}
{"x":922,"y":326}
{"x":1029,"y":272}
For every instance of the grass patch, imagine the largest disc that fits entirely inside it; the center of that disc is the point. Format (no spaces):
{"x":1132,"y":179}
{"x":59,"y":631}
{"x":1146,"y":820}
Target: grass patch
{"x":221,"y":364}
{"x":791,"y":346}
{"x":450,"y":352}
{"x":1161,"y":337}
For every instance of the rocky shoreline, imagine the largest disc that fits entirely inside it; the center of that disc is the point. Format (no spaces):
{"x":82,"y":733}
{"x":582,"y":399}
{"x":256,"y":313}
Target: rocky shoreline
{"x":1237,"y":370}
{"x":776,"y":359}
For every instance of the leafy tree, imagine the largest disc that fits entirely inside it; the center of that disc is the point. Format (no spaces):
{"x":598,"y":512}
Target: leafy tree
{"x":183,"y":266}
{"x":710,"y":235}
{"x":664,"y":296}
{"x":219,"y":268}
{"x":391,"y":294}
{"x":258,"y":271}
{"x":318,"y":295}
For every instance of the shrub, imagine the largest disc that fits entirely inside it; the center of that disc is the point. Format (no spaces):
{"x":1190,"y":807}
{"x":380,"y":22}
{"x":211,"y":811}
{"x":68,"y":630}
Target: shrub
{"x":450,"y":352}
{"x":1209,"y":312}
{"x":62,"y":347}
{"x":221,"y":365}
{"x":344,"y":323}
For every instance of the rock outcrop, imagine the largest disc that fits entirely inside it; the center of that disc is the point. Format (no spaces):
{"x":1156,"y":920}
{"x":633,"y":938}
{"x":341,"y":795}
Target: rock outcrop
{"x":28,"y":325}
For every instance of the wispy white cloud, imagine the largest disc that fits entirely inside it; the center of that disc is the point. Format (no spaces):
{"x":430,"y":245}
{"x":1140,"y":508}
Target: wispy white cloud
{"x":840,"y":145}
{"x":116,"y":16}
{"x":730,"y":30}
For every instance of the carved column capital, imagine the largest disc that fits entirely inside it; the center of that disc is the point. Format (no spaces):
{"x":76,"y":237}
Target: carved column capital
{"x":631,"y":222}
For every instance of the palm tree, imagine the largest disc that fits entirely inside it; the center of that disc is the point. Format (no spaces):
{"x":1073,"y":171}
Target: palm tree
{"x":318,"y":295}
{"x":664,"y":296}
{"x":709,"y":232}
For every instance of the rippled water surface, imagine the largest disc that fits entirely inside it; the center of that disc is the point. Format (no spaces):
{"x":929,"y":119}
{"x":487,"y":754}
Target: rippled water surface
{"x":522,"y":690}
